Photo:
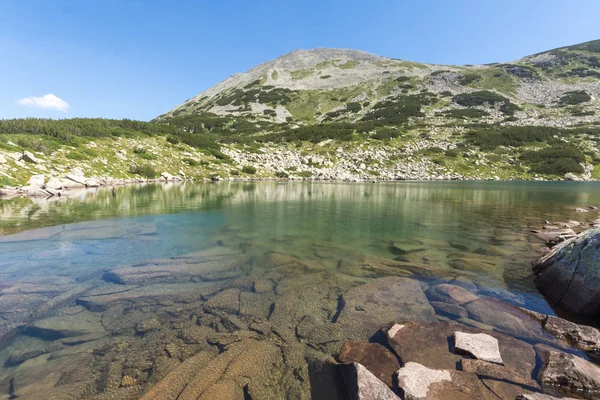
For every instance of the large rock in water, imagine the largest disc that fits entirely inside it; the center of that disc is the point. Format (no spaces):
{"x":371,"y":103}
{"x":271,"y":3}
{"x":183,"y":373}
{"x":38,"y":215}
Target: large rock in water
{"x":570,"y":273}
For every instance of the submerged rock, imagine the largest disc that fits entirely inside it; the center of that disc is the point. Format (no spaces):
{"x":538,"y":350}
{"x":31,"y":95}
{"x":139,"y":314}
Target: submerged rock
{"x":451,"y":294}
{"x":213,"y":268}
{"x":170,"y":387}
{"x":504,"y":317}
{"x":369,"y":307}
{"x":570,"y":273}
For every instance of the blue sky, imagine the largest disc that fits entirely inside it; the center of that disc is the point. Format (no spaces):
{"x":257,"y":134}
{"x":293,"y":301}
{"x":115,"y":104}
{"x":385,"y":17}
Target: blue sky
{"x":139,"y":58}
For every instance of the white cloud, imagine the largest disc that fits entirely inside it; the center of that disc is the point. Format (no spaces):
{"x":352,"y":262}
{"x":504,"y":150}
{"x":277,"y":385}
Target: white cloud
{"x":46,"y":101}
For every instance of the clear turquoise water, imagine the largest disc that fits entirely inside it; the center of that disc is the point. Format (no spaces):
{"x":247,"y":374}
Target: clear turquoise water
{"x":98,"y":230}
{"x":49,"y":247}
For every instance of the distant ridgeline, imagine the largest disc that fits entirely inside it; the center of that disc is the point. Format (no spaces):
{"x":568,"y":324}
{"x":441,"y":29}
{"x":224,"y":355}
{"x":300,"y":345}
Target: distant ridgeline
{"x":537,"y":116}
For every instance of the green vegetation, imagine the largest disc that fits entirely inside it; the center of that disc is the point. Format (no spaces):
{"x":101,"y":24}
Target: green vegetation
{"x":304,"y":174}
{"x":191,"y":162}
{"x":581,"y":72}
{"x":556,"y":160}
{"x":575,"y":97}
{"x":68,"y":130}
{"x":398,"y":110}
{"x":353,"y":107}
{"x":301,"y":74}
{"x":465,"y":113}
{"x":593,"y":46}
{"x":485,"y":97}
{"x":145,"y":170}
{"x":249,"y":169}
{"x":489,"y":137}
{"x":349,"y":65}
{"x":467,"y":79}
{"x":282,"y":174}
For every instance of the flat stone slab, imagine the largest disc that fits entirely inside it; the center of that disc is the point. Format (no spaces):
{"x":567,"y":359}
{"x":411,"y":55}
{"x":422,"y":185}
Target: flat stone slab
{"x":361,"y":384}
{"x":478,"y":345}
{"x":421,"y":383}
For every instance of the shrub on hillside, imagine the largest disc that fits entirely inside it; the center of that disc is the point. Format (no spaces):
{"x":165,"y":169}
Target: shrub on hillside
{"x":489,"y":137}
{"x":145,"y":170}
{"x":463,"y":113}
{"x":575,"y":97}
{"x":556,"y":160}
{"x":249,"y":169}
{"x":485,"y":97}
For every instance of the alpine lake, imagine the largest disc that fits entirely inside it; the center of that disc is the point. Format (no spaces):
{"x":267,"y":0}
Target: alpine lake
{"x":106,"y":292}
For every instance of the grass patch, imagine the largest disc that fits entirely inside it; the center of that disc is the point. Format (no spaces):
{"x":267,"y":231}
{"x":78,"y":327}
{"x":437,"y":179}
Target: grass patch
{"x":349,"y":65}
{"x":301,"y":74}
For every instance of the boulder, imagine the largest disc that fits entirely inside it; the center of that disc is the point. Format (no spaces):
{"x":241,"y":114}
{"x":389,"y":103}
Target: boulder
{"x":377,"y":359}
{"x":30,"y":158}
{"x":57,"y":183}
{"x":570,"y":274}
{"x":569,"y":373}
{"x":37,"y":180}
{"x":581,"y":210}
{"x":3,"y":159}
{"x":480,"y":346}
{"x":361,"y":384}
{"x":585,"y":337}
{"x":569,"y":176}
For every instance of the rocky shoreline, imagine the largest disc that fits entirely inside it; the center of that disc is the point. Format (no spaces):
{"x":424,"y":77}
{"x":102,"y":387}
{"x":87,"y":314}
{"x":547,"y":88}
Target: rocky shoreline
{"x":74,"y":181}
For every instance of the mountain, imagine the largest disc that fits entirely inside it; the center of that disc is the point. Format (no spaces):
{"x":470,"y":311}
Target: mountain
{"x":328,"y":85}
{"x":344,"y":115}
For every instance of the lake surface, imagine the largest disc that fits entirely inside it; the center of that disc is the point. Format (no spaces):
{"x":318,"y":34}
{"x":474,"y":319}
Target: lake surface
{"x":107,"y":292}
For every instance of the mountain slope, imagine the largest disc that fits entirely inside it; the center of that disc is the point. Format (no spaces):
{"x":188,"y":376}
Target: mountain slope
{"x":312,"y":86}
